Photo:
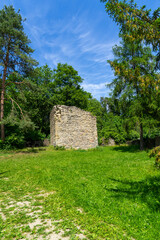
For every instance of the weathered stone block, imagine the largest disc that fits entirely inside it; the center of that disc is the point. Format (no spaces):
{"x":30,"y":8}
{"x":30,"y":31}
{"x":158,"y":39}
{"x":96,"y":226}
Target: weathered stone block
{"x":72,"y":127}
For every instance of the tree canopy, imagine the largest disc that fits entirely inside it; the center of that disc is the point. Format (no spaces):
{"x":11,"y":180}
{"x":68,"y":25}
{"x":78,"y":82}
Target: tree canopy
{"x":136,"y":23}
{"x":15,"y":54}
{"x":28,"y":92}
{"x":137,"y":83}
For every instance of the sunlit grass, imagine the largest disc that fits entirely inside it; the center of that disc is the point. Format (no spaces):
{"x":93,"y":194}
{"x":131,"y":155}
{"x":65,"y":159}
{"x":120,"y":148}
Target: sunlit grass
{"x":111,"y":193}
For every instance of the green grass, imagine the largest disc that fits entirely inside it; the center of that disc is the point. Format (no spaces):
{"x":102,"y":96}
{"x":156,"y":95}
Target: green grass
{"x":110,"y":193}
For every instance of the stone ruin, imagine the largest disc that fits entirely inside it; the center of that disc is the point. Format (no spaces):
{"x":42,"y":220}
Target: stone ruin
{"x":72,"y":127}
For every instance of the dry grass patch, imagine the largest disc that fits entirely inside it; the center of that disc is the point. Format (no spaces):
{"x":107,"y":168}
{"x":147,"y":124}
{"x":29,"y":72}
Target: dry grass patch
{"x":28,"y":218}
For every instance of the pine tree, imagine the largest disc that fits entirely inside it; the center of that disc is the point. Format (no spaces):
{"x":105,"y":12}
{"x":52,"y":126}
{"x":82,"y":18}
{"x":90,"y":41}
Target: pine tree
{"x":15,"y":53}
{"x":136,"y":80}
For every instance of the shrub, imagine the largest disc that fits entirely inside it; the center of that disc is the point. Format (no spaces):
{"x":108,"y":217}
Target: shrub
{"x":35,"y":135}
{"x":12,"y":141}
{"x":155,"y":152}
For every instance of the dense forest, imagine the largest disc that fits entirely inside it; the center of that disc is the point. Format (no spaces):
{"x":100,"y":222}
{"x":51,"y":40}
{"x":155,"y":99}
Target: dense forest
{"x":29,"y":91}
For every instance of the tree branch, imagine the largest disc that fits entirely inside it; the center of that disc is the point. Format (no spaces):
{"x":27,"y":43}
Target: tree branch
{"x":14,"y":83}
{"x":13,"y":101}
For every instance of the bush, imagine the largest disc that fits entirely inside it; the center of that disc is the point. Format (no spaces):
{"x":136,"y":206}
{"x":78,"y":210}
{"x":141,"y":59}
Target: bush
{"x":155,"y":152}
{"x":35,"y":135}
{"x":118,"y":135}
{"x":12,"y":141}
{"x":112,"y":128}
{"x":34,"y":138}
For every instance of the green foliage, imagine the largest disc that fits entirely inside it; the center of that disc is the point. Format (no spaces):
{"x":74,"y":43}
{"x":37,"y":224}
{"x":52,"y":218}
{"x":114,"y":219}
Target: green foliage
{"x":110,"y":122}
{"x":134,"y":68}
{"x":14,"y":118}
{"x":66,"y":87}
{"x":136,"y":23}
{"x":94,"y":106}
{"x":38,"y":99}
{"x":13,"y":141}
{"x":59,"y":148}
{"x":15,"y":64}
{"x":151,"y":127}
{"x":34,"y":135}
{"x":133,"y":134}
{"x":113,"y":128}
{"x":14,"y":43}
{"x":155,"y":152}
{"x":60,"y":86}
{"x":136,"y":85}
{"x":28,"y":104}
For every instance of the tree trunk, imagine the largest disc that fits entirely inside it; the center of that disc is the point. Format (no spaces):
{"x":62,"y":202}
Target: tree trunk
{"x":3,"y":89}
{"x":2,"y":103}
{"x":141,"y":137}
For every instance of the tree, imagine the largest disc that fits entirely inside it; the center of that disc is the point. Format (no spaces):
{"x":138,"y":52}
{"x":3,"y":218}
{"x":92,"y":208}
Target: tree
{"x":40,"y":98}
{"x":136,"y":81}
{"x":15,"y":58}
{"x":136,"y":23}
{"x":110,"y":105}
{"x":95,"y":107}
{"x":60,"y":86}
{"x":66,"y":87}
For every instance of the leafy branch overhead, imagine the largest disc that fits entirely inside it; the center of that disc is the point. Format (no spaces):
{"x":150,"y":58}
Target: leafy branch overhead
{"x":136,"y":24}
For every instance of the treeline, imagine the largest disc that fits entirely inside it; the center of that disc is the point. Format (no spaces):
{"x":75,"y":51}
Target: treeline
{"x":29,"y":92}
{"x":136,"y":65}
{"x":28,"y":106}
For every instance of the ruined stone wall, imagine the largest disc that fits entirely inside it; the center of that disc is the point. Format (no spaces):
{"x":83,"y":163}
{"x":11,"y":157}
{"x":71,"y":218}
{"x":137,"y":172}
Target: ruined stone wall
{"x":72,"y":127}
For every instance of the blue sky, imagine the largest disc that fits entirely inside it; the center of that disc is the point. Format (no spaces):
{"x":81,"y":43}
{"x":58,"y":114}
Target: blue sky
{"x":79,"y":33}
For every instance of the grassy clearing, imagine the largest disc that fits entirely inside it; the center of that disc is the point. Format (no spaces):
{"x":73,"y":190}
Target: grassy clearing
{"x":107,"y":193}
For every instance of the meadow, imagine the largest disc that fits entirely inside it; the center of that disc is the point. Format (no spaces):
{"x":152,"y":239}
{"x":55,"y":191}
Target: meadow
{"x":104,"y":193}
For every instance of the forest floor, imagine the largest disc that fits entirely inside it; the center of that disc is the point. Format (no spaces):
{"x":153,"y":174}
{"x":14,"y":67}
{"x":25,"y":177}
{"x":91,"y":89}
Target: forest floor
{"x":104,"y":193}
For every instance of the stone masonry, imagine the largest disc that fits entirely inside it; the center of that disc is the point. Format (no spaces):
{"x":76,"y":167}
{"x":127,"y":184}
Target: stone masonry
{"x":72,"y":127}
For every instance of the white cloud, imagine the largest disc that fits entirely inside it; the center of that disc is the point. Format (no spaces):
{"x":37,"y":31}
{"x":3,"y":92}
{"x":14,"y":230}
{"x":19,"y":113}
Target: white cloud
{"x":75,"y":41}
{"x":52,"y":59}
{"x":97,"y":90}
{"x":94,"y":86}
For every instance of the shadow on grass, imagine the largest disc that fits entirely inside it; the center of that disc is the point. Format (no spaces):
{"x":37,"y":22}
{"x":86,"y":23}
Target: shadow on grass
{"x":147,"y":191}
{"x":1,"y":173}
{"x":32,"y":150}
{"x":130,"y":149}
